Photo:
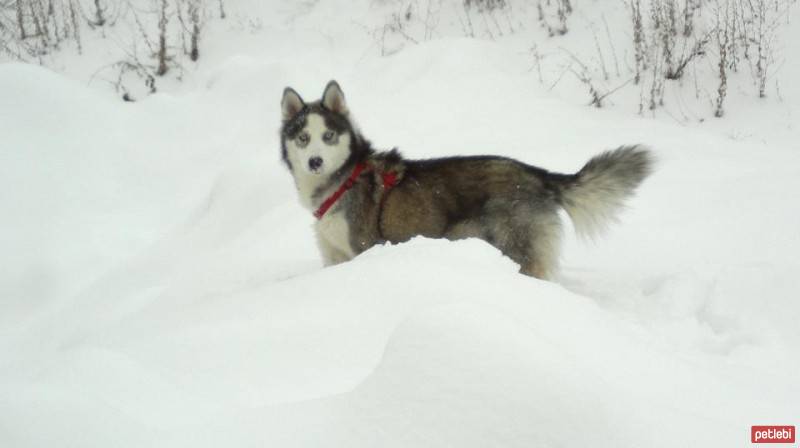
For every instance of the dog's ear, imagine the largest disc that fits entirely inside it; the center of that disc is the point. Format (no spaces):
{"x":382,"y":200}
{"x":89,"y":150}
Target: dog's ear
{"x":333,"y":98}
{"x":291,"y":103}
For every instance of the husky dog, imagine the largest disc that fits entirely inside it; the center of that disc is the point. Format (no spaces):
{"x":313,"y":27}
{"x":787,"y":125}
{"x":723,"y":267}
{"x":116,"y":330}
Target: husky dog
{"x":362,"y":197}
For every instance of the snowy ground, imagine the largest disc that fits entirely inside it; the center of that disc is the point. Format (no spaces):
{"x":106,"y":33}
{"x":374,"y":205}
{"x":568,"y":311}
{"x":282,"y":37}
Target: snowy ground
{"x":160,"y":285}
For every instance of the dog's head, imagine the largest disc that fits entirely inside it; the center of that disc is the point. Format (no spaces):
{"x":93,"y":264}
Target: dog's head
{"x":318,"y":138}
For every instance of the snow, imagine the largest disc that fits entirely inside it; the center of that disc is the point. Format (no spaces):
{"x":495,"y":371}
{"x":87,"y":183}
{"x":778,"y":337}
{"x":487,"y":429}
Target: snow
{"x":161,"y":285}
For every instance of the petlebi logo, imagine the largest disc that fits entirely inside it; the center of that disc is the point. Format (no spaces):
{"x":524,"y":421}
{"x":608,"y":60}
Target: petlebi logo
{"x":772,"y":434}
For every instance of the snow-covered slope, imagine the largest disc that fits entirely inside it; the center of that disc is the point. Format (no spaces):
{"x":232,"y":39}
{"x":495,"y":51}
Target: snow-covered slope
{"x":160,"y":285}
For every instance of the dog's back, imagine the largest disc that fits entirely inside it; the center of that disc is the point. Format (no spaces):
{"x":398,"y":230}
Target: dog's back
{"x":509,"y":204}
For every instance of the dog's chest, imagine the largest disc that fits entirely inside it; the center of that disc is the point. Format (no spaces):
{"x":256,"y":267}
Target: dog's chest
{"x":335,"y":229}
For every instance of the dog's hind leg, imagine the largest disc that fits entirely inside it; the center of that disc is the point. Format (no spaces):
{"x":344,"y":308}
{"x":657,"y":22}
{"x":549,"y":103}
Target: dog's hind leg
{"x":541,"y":260}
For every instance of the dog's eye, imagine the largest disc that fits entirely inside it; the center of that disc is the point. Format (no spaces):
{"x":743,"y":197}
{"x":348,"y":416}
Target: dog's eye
{"x":303,"y":138}
{"x":328,"y":136}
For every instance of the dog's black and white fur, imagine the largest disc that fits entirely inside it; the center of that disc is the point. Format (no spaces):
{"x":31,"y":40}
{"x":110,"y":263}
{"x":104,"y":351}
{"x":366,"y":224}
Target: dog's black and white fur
{"x":509,"y":204}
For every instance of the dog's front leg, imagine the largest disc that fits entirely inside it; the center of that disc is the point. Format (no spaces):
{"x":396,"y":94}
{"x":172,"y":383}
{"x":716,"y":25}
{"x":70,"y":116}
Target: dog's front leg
{"x":331,"y":255}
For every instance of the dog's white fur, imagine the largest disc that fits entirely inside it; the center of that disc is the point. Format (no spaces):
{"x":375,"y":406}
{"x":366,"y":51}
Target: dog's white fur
{"x":333,"y":238}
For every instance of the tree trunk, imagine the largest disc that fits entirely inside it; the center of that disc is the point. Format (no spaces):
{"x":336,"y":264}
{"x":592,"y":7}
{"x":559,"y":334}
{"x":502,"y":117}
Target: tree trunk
{"x":99,"y":20}
{"x":162,"y":41}
{"x":195,"y":53}
{"x":21,"y":21}
{"x":194,"y":16}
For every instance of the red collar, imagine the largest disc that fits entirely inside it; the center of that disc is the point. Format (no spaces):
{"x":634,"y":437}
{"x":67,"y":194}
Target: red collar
{"x":389,"y":181}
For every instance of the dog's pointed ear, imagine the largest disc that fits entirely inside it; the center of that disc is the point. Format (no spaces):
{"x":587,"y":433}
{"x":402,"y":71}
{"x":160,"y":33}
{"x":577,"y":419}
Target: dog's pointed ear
{"x":333,"y":98}
{"x":291,"y":103}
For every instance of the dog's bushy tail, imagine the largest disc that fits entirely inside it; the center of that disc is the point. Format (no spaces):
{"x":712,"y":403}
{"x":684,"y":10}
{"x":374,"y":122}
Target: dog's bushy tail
{"x":595,"y":194}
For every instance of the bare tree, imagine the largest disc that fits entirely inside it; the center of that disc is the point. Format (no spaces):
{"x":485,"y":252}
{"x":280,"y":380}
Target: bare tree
{"x":23,"y":34}
{"x":600,"y":55}
{"x":194,"y":19}
{"x":639,"y":45}
{"x":42,"y":26}
{"x":611,"y":44}
{"x":758,"y":10}
{"x":537,"y":61}
{"x":758,"y":25}
{"x":562,"y":10}
{"x":163,"y":21}
{"x":76,"y":26}
{"x":688,"y":16}
{"x":698,"y":49}
{"x":190,"y":15}
{"x":723,"y":40}
{"x":657,"y":81}
{"x":99,"y":13}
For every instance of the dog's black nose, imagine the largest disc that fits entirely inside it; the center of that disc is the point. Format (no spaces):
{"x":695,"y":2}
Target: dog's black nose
{"x":314,"y":163}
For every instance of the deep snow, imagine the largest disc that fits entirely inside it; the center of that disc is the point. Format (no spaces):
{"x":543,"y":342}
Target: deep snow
{"x":161,"y":286}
